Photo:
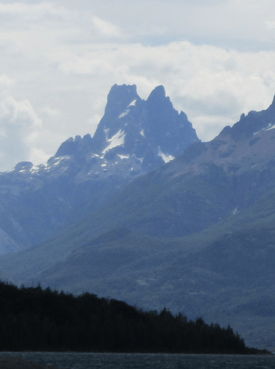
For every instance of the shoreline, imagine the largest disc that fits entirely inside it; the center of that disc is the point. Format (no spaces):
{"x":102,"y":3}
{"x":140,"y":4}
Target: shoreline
{"x":8,"y":362}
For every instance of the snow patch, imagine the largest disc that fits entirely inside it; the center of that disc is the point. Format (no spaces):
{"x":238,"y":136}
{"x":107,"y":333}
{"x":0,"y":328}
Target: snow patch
{"x":268,"y":128}
{"x":46,"y":166}
{"x":139,"y":159}
{"x":34,"y":169}
{"x":123,"y":156}
{"x":124,"y":114}
{"x":133,"y":103}
{"x":117,"y":140}
{"x":57,"y":161}
{"x":165,"y":158}
{"x":53,"y":161}
{"x":97,"y":156}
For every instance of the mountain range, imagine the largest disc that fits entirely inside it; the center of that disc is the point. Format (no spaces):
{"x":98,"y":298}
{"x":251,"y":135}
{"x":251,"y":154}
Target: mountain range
{"x":149,"y":214}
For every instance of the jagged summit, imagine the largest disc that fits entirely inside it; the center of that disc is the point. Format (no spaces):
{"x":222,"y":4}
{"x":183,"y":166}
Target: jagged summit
{"x":119,"y":98}
{"x":134,"y":137}
{"x":272,"y":106}
{"x":75,"y":145}
{"x":146,"y":133}
{"x":158,"y":94}
{"x":249,"y":125}
{"x":247,"y":146}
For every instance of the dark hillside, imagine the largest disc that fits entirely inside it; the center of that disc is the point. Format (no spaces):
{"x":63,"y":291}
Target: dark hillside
{"x":36,"y":319}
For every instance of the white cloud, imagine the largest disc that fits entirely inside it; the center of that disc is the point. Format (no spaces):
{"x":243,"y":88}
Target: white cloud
{"x":33,"y":13}
{"x":205,"y":81}
{"x":270,"y":24}
{"x":106,"y":28}
{"x":18,"y":113}
{"x":5,"y":83}
{"x":18,"y":124}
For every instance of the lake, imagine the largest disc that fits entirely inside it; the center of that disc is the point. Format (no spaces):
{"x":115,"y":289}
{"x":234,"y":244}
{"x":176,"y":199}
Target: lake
{"x":144,"y":361}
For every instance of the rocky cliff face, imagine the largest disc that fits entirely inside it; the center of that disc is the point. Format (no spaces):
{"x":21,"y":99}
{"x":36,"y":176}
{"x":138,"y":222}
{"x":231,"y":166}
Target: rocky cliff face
{"x":133,"y":138}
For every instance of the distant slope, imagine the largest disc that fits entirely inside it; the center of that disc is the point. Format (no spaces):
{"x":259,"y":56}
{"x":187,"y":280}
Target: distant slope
{"x":224,"y":274}
{"x":226,"y":271}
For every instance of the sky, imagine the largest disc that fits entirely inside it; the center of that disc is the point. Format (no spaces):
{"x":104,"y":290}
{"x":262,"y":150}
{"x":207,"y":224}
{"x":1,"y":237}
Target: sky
{"x":59,"y":59}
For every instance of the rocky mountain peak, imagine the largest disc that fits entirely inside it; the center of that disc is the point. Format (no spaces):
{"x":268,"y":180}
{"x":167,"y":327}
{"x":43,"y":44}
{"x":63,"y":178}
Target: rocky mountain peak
{"x":272,"y":106}
{"x":119,"y":98}
{"x":144,"y":134}
{"x":157,"y":94}
{"x":158,"y":103}
{"x":134,"y":137}
{"x":252,"y":123}
{"x":75,"y":146}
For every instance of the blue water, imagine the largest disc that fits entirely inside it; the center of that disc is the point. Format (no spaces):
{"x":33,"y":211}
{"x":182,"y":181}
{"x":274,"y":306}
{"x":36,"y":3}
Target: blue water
{"x":144,"y":361}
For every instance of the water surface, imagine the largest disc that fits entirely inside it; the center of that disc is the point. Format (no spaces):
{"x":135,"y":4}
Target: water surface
{"x":147,"y":361}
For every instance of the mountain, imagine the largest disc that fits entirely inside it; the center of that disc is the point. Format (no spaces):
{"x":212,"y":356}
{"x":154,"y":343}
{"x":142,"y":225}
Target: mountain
{"x":133,"y":138}
{"x":208,"y":183}
{"x":195,"y":235}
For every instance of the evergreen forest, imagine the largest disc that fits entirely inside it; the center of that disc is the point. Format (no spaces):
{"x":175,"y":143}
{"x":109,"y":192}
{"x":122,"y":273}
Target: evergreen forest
{"x":44,"y":320}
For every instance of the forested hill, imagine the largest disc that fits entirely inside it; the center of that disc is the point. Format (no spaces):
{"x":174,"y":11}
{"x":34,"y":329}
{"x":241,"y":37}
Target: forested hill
{"x":36,"y":319}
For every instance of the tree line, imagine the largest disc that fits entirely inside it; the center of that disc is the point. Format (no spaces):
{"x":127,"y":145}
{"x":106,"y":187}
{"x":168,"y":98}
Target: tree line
{"x":44,"y":320}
